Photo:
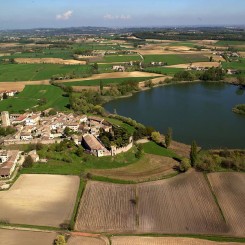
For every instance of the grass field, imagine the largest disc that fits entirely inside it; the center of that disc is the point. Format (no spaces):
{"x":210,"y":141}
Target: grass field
{"x":107,"y":81}
{"x":78,"y":165}
{"x":229,"y":43}
{"x":149,"y":167}
{"x":174,"y":59}
{"x":234,"y":64}
{"x":43,"y":200}
{"x":153,"y":148}
{"x":163,"y":70}
{"x":30,"y":96}
{"x":32,"y":72}
{"x":120,"y":58}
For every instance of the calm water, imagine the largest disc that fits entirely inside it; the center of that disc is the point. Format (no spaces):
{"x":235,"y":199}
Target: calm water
{"x":198,"y":111}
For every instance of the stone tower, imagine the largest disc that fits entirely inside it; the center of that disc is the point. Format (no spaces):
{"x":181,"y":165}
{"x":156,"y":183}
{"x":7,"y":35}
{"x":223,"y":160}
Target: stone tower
{"x":5,"y":118}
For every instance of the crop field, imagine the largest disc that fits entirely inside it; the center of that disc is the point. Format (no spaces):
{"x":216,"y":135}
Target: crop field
{"x":107,"y":207}
{"x":79,"y":240}
{"x":174,"y":59}
{"x":48,"y":61}
{"x":180,"y":205}
{"x":148,"y":167}
{"x":45,"y":53}
{"x":120,"y":58}
{"x":18,"y":237}
{"x":230,"y":192}
{"x":44,"y":200}
{"x":199,"y":64}
{"x":240,"y":65}
{"x":134,"y":240}
{"x":164,"y":70}
{"x":183,"y":204}
{"x":32,"y":72}
{"x":107,"y":81}
{"x":230,"y":43}
{"x":30,"y":96}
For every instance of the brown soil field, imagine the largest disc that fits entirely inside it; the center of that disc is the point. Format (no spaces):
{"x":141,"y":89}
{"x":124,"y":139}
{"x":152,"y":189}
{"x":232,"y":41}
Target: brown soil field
{"x":183,"y":204}
{"x":199,"y":64}
{"x":4,"y":54}
{"x":148,"y":168}
{"x":21,"y":85}
{"x":216,"y":57}
{"x":107,"y":207}
{"x":20,"y":237}
{"x":179,"y":48}
{"x":45,"y":200}
{"x":115,"y":75}
{"x":79,"y":240}
{"x":48,"y":61}
{"x":230,"y":191}
{"x":242,"y":54}
{"x":134,"y":240}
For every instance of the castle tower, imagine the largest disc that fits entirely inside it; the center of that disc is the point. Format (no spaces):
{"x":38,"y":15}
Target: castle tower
{"x":5,"y":118}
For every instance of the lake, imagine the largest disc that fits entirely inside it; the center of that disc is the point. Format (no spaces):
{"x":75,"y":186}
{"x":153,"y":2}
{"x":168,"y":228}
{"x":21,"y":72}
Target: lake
{"x":195,"y":111}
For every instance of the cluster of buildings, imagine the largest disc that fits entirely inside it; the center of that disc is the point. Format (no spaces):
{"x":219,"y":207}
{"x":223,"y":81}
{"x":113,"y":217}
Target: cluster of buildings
{"x":8,"y":93}
{"x":36,"y":128}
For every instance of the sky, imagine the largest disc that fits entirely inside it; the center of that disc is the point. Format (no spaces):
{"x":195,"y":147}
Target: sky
{"x":24,"y":14}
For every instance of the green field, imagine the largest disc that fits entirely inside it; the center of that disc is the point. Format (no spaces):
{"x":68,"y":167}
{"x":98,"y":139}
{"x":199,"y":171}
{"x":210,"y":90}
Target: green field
{"x":163,"y":70}
{"x":129,"y":128}
{"x":187,"y":44}
{"x":32,"y":72}
{"x":229,"y":43}
{"x":153,"y":148}
{"x":174,"y":59}
{"x":120,"y":58}
{"x":239,"y":65}
{"x":30,"y":96}
{"x":106,"y":81}
{"x":77,"y":165}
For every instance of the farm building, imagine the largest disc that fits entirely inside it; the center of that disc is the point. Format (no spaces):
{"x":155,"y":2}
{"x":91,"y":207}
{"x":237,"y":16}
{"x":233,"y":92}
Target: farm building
{"x":7,"y":167}
{"x":118,"y":68}
{"x":94,"y":146}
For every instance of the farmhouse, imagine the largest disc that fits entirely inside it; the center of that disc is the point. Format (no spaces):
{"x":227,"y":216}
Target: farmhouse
{"x":94,"y":146}
{"x":7,"y":167}
{"x":118,"y":68}
{"x":34,"y":156}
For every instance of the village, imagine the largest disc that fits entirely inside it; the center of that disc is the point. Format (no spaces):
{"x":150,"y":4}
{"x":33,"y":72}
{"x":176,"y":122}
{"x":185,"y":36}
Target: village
{"x":42,"y":128}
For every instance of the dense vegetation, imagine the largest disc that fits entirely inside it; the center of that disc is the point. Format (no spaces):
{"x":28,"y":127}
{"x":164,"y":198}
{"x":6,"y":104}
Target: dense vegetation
{"x":239,"y":109}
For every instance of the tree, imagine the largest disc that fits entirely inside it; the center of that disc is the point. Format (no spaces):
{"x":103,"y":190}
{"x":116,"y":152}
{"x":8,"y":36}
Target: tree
{"x":5,"y":96}
{"x":28,"y":163}
{"x":184,"y":165}
{"x":211,"y":58}
{"x":168,"y":137}
{"x":156,"y":137}
{"x":193,"y":153}
{"x":101,"y":86}
{"x":140,"y":151}
{"x":60,"y":240}
{"x":68,"y":131}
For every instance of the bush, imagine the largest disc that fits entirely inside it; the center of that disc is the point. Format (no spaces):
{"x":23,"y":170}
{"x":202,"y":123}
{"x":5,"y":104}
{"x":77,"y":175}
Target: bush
{"x":28,"y":163}
{"x":156,"y":137}
{"x":185,"y":165}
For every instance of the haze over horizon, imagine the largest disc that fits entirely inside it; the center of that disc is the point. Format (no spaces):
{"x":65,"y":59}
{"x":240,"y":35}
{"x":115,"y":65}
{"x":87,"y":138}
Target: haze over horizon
{"x":25,"y":14}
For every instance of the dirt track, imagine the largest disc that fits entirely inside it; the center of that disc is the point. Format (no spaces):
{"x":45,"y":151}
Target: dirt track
{"x":45,"y":200}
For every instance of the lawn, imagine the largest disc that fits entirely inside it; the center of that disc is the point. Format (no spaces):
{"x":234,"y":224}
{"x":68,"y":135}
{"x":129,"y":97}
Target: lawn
{"x":32,"y":72}
{"x":30,"y":96}
{"x":174,"y":59}
{"x":107,"y":81}
{"x":153,"y":148}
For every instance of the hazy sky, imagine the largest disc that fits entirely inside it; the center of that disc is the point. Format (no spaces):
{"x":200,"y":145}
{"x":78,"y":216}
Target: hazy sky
{"x":115,"y":13}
